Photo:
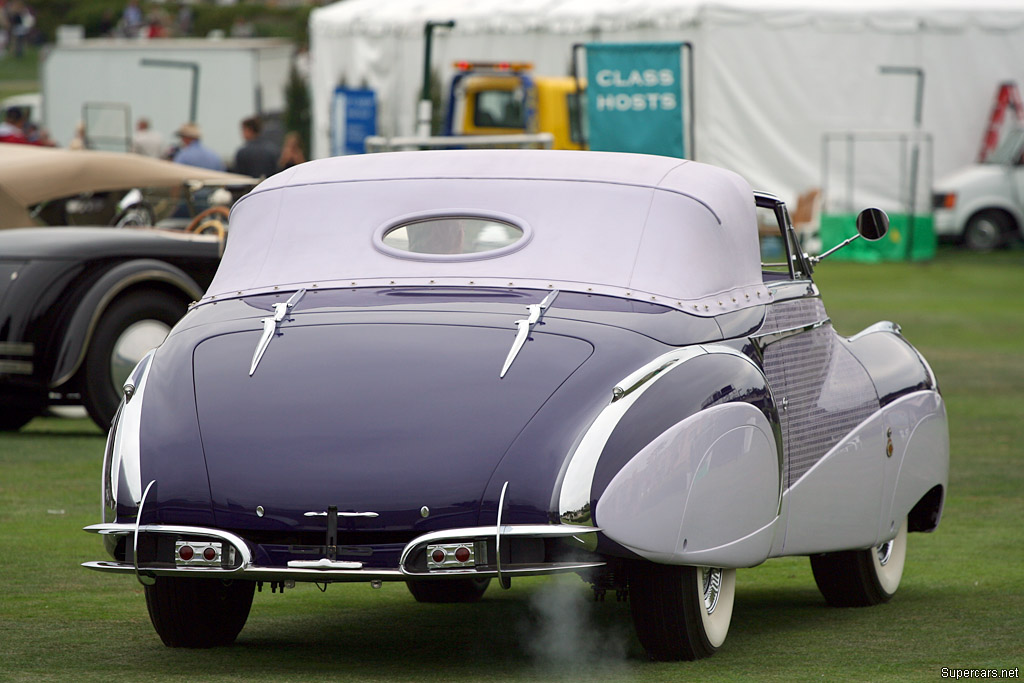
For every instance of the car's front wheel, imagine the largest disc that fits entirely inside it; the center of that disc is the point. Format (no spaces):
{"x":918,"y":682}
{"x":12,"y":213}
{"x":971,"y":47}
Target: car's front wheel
{"x":129,"y":328}
{"x":198,"y":613}
{"x":681,"y":612}
{"x":859,"y":578}
{"x":452,"y":590}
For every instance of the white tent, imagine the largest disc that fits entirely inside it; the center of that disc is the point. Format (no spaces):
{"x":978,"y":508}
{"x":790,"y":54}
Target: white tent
{"x":772,"y":76}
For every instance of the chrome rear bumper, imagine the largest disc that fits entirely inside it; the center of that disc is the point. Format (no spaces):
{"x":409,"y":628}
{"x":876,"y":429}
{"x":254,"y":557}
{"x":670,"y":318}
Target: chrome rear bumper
{"x":238,"y":562}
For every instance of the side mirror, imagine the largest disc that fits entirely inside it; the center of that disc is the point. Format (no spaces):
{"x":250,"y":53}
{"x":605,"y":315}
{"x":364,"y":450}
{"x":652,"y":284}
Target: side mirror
{"x":872,"y":224}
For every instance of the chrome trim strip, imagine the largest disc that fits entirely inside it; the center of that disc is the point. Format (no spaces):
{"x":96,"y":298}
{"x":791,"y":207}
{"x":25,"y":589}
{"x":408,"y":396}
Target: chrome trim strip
{"x":574,"y":496}
{"x":271,"y":325}
{"x":128,"y":529}
{"x":16,"y":367}
{"x":17,"y":348}
{"x":337,"y":575}
{"x":772,"y":337}
{"x":135,"y":542}
{"x":484,"y":532}
{"x":341,"y":514}
{"x":108,"y":298}
{"x":497,"y":537}
{"x":882,"y":326}
{"x":126,"y":453}
{"x":536,"y":311}
{"x":323,"y":563}
{"x":787,"y":290}
{"x":336,"y":571}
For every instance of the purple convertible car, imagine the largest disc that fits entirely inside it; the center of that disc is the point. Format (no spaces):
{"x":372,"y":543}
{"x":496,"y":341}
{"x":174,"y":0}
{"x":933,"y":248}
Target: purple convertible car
{"x":446,"y":368}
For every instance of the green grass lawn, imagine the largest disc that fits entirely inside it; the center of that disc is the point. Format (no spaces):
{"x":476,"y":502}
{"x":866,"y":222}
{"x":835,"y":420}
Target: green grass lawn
{"x":19,"y":76}
{"x":961,"y":603}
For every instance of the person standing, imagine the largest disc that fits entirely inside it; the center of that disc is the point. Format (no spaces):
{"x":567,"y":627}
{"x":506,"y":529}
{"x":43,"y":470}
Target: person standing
{"x":193,"y":152}
{"x":256,"y":157}
{"x":131,"y":19}
{"x":147,"y":141}
{"x":291,"y":151}
{"x":13,"y":127}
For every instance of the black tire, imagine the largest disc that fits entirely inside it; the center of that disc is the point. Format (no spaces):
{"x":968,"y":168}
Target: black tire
{"x":198,"y":613}
{"x":13,"y":419}
{"x":861,"y":578}
{"x":451,"y":590}
{"x":987,"y":230}
{"x":672,"y":619}
{"x":154,"y":311}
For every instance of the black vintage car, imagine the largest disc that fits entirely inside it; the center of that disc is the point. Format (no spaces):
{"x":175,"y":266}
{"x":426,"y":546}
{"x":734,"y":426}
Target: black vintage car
{"x":79,"y":306}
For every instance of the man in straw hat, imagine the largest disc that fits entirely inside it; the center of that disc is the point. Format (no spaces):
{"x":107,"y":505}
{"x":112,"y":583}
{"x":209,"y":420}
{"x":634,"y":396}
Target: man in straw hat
{"x":193,"y":152}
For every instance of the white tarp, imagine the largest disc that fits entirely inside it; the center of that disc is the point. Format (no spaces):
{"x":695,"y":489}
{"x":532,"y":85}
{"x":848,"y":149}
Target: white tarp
{"x":771,"y":76}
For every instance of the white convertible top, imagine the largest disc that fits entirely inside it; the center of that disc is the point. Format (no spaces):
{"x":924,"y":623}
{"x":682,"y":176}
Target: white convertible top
{"x":659,"y":229}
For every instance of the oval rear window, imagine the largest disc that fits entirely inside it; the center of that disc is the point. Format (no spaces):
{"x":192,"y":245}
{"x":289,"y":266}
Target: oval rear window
{"x":452,"y":235}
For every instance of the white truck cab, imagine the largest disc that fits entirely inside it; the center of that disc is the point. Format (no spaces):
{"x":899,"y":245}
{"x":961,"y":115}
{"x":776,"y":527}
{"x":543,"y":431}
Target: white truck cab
{"x":982,"y":205}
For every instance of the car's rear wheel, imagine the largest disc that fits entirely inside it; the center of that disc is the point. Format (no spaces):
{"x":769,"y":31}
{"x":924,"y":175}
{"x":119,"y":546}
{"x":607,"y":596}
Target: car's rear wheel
{"x":681,"y":612}
{"x":198,"y":613}
{"x":129,"y":328}
{"x":986,"y":231}
{"x":452,"y":590}
{"x":860,"y":578}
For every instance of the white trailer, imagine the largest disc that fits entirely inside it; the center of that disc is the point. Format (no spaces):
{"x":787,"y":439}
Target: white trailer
{"x":109,"y":84}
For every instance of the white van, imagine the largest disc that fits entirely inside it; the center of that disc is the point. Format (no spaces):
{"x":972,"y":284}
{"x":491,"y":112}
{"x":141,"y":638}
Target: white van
{"x":982,"y":205}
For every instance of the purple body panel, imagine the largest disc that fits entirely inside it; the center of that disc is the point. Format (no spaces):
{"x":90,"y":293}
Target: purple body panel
{"x":386,"y":401}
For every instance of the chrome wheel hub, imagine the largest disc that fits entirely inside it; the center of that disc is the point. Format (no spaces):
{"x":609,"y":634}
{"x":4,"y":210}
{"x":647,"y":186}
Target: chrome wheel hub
{"x":137,"y":339}
{"x":712,"y":588}
{"x":884,"y":552}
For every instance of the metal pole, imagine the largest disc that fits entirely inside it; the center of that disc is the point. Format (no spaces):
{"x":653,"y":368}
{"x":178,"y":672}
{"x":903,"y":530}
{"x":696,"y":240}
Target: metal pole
{"x":426,"y":106}
{"x":578,"y":95}
{"x":193,"y":107}
{"x":915,"y":150}
{"x":692,"y":152}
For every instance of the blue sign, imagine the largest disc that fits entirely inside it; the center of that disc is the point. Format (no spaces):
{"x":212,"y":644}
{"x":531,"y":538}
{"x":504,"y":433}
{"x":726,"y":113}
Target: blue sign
{"x":353,"y":119}
{"x":635,"y":98}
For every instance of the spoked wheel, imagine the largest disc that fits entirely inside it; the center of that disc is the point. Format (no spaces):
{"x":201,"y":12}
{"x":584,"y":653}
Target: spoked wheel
{"x":681,"y":612}
{"x":454,"y":590}
{"x":198,"y":613}
{"x":859,"y":578}
{"x":127,"y":330}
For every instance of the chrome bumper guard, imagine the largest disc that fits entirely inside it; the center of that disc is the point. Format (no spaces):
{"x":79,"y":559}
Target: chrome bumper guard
{"x":325,"y":570}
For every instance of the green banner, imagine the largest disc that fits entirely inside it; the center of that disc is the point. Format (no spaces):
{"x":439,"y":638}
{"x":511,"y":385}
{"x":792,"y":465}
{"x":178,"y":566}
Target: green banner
{"x":635,"y":98}
{"x":910,"y":238}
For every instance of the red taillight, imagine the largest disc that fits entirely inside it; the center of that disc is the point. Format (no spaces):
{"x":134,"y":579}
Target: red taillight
{"x":185,"y":552}
{"x":462,"y":554}
{"x":209,"y":554}
{"x":437,"y":556}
